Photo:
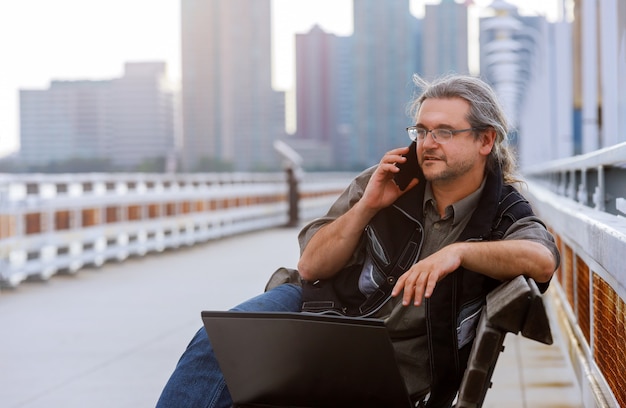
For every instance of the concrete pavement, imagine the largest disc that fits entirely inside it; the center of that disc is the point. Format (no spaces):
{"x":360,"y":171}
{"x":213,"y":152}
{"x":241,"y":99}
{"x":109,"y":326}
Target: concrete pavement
{"x":530,"y":374}
{"x":110,"y":337}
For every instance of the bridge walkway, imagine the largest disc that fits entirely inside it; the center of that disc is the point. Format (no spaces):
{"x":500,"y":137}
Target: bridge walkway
{"x":110,"y":337}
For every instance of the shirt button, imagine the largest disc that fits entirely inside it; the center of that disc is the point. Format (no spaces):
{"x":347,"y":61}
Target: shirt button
{"x":437,"y":226}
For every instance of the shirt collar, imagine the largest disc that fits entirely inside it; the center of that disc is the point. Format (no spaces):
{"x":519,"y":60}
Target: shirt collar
{"x":459,"y":210}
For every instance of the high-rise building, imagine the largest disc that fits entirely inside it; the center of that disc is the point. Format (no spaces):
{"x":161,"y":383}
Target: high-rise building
{"x":323,"y":97}
{"x":65,"y":121}
{"x":383,"y":63}
{"x":445,"y":48}
{"x":528,"y":64}
{"x":142,"y":109}
{"x":316,"y":103}
{"x":127,"y":120}
{"x":508,"y":52}
{"x":230,"y":112}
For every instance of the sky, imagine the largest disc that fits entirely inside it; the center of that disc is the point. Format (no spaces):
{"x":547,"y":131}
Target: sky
{"x":44,"y":40}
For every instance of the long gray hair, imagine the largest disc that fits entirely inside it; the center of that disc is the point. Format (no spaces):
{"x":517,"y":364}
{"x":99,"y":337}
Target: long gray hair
{"x":485,"y":111}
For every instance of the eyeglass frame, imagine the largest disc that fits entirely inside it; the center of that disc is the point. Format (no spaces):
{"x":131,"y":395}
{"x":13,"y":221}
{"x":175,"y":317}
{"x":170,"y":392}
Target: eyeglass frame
{"x":438,"y":139}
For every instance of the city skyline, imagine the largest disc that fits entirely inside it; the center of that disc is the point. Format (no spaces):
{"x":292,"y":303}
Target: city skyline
{"x":72,"y":39}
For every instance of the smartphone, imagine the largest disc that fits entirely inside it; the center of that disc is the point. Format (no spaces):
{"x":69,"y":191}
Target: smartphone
{"x":409,"y":170}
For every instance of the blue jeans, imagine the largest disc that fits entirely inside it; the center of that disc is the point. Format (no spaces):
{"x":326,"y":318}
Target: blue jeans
{"x":197,"y":380}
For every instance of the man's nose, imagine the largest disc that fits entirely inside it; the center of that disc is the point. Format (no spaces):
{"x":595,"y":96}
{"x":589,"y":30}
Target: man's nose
{"x":429,"y":140}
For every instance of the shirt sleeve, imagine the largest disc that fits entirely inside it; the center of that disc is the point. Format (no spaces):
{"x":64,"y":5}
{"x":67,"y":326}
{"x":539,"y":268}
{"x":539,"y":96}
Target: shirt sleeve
{"x":532,"y":229}
{"x":350,"y":196}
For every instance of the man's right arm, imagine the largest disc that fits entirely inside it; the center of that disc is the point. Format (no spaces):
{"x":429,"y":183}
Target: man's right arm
{"x":332,"y":246}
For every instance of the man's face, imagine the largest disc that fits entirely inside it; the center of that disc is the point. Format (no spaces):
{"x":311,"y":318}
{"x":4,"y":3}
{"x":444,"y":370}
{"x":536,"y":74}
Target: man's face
{"x":461,"y":155}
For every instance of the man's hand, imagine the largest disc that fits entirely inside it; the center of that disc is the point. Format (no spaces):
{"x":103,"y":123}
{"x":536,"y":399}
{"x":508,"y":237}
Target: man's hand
{"x":420,"y":280}
{"x":382,"y":191}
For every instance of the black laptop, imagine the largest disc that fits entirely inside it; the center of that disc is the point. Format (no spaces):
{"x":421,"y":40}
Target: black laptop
{"x":277,"y":359}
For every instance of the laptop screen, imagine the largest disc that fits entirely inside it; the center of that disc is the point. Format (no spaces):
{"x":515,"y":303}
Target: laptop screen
{"x":304,"y":360}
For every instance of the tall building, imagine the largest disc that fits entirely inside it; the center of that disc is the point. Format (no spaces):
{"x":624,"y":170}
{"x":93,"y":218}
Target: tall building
{"x":383,"y":63}
{"x":127,"y":120}
{"x":323,"y":97}
{"x":65,"y":121}
{"x":142,"y":106}
{"x":230,"y":112}
{"x":316,"y":77}
{"x":508,"y":53}
{"x":344,"y":142}
{"x":445,"y":48}
{"x":529,"y":65}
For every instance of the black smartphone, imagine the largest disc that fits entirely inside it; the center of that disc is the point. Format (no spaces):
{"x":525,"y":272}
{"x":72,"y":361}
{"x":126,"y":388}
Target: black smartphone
{"x":409,"y":169}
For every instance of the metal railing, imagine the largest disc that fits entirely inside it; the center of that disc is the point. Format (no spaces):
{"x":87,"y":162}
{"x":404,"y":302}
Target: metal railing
{"x":61,"y":223}
{"x":596,"y":180}
{"x":582,"y":201}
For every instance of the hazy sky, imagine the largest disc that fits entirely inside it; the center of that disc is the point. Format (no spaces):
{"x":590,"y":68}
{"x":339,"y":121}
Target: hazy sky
{"x":42,"y":40}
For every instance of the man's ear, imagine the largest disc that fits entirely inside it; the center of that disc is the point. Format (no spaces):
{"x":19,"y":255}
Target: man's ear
{"x":487,"y":139}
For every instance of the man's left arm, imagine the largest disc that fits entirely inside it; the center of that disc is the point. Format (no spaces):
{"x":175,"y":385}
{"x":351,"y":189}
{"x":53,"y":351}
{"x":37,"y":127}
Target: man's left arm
{"x":527,"y":249}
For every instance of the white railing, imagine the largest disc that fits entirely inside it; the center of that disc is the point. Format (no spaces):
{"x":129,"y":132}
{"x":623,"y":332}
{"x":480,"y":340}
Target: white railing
{"x":581,"y":199}
{"x":61,"y":223}
{"x":596,"y":179}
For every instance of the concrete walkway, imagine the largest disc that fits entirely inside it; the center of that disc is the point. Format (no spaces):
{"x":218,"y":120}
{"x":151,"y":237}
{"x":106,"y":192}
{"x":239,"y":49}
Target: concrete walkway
{"x":530,"y":374}
{"x":110,"y":337}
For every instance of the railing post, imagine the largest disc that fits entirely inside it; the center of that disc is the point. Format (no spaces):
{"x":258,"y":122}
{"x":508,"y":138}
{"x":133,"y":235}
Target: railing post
{"x":293,"y":163}
{"x":294,"y":197}
{"x":582,"y":188}
{"x":599,"y":195}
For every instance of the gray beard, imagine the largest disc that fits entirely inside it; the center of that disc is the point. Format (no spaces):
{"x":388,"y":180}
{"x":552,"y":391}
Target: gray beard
{"x":450,"y":174}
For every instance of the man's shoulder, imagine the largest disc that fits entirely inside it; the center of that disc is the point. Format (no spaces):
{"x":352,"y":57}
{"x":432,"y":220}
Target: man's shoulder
{"x":512,"y":207}
{"x":510,"y":196}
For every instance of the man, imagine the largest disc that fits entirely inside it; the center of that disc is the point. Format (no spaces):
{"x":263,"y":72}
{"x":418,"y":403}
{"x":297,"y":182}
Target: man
{"x":453,"y":234}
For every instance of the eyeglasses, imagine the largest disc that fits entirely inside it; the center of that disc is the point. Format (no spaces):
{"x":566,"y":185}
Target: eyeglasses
{"x":441,"y":136}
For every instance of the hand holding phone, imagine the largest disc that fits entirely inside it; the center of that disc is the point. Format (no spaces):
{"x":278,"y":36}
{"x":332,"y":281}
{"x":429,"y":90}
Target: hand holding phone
{"x":409,"y":170}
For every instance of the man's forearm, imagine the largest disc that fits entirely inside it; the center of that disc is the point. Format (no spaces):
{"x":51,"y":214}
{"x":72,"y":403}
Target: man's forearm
{"x":507,"y":259}
{"x":332,"y":245}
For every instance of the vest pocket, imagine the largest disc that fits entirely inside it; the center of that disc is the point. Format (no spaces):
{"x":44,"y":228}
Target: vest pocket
{"x":468,"y":321}
{"x":370,"y":278}
{"x":376,"y":248}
